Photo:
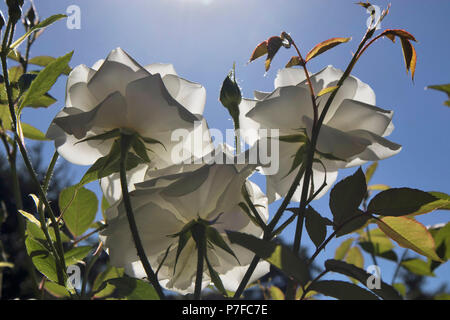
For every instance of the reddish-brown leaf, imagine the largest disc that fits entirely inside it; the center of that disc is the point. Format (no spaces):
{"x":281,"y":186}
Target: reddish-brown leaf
{"x":325,"y":46}
{"x":392,"y":33}
{"x":364,"y":4}
{"x":260,"y":50}
{"x":273,"y":45}
{"x":295,"y":61}
{"x":409,"y":53}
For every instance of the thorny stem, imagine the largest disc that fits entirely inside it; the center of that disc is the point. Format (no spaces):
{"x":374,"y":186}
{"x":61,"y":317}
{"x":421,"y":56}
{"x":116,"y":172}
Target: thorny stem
{"x":59,"y":254}
{"x":339,"y":228}
{"x":269,"y":234}
{"x":309,"y":162}
{"x":308,"y":79}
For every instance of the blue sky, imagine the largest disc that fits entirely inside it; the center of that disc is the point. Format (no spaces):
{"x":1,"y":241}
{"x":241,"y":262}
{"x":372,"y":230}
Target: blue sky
{"x":202,"y":38}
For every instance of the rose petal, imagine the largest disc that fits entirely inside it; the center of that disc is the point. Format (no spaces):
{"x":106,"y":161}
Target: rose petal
{"x":378,"y":149}
{"x":289,"y":77}
{"x":278,"y":110}
{"x":329,"y":77}
{"x":154,"y":226}
{"x":152,"y":109}
{"x":259,"y":95}
{"x":189,"y":94}
{"x":77,"y":93}
{"x":249,"y":127}
{"x":115,"y":73}
{"x":232,"y":279}
{"x":162,"y":68}
{"x":338,"y":143}
{"x":355,"y":115}
{"x":111,"y":185}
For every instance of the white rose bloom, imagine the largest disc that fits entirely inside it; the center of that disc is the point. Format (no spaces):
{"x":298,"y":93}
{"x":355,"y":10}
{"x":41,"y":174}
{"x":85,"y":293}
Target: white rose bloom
{"x":119,"y":93}
{"x":353,"y":129}
{"x":164,"y":205}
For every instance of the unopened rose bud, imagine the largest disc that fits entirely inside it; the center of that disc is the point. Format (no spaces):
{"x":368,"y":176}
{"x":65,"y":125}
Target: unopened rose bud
{"x":31,"y":19}
{"x":2,"y":20}
{"x":14,"y":10}
{"x":230,"y":96}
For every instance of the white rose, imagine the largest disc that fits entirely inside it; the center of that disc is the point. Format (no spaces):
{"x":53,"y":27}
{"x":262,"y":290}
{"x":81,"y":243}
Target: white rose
{"x":353,"y":129}
{"x":118,"y":93}
{"x":164,"y":205}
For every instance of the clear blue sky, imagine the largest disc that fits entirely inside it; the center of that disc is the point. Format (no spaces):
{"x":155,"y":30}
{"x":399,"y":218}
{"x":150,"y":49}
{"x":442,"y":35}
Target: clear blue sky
{"x":202,"y":38}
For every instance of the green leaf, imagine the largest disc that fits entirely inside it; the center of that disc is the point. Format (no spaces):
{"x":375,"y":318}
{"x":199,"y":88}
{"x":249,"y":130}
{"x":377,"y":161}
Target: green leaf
{"x":294,"y":138}
{"x":401,"y":288}
{"x":316,"y":226}
{"x":441,"y":196}
{"x":32,"y":133}
{"x":326,"y":90}
{"x":25,"y":81}
{"x":299,"y":158}
{"x":56,"y":290}
{"x":41,"y":25}
{"x":355,"y":257}
{"x":104,"y":206}
{"x":76,"y":254}
{"x":442,"y":296}
{"x":140,"y":149}
{"x":30,"y":217}
{"x":108,"y":165}
{"x":399,"y":202}
{"x":276,"y":293}
{"x":45,"y":80}
{"x":115,"y":133}
{"x":44,"y":61}
{"x":346,"y":196}
{"x":79,"y":207}
{"x":444,"y":88}
{"x":133,"y":289}
{"x":309,"y":294}
{"x":278,"y":255}
{"x":4,"y":264}
{"x":42,"y":259}
{"x":370,"y":171}
{"x":342,"y":250}
{"x":442,"y":203}
{"x":216,"y":239}
{"x":442,"y":240}
{"x":342,"y":290}
{"x":358,"y":219}
{"x":43,"y":101}
{"x":216,"y":278}
{"x":101,"y":287}
{"x":183,"y":239}
{"x":378,"y":187}
{"x":14,"y":74}
{"x":410,"y":234}
{"x":325,"y":46}
{"x":379,"y":245}
{"x":418,"y":266}
{"x":385,"y":291}
{"x":36,"y":233}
